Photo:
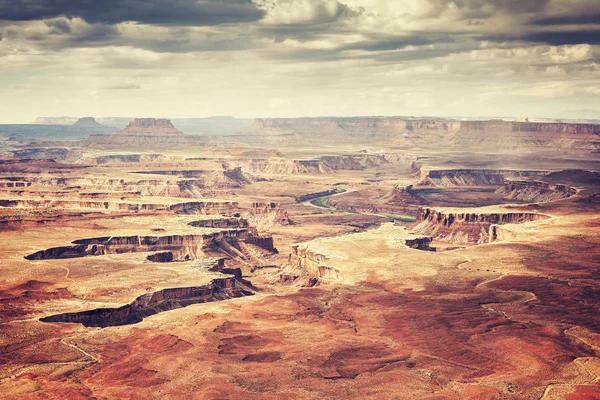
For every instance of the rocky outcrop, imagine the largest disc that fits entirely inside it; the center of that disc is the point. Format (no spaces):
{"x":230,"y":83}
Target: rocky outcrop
{"x":401,"y":196}
{"x":153,"y":303}
{"x":467,"y":227}
{"x":266,"y":215}
{"x":190,"y":246}
{"x":312,"y":263}
{"x":535,"y":191}
{"x":471,"y":177}
{"x":150,"y":127}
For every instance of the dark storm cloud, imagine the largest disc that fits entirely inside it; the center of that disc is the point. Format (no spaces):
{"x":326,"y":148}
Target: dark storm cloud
{"x":552,"y":38}
{"x":559,"y":38}
{"x":324,"y":20}
{"x":157,"y":12}
{"x":586,"y":19}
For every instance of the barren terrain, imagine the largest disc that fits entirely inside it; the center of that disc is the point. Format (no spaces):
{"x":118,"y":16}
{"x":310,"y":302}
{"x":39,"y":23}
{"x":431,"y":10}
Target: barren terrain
{"x":303,"y":259}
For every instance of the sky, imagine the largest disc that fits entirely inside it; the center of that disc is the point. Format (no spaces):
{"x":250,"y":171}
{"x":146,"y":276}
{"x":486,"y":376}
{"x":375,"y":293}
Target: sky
{"x":292,"y":58}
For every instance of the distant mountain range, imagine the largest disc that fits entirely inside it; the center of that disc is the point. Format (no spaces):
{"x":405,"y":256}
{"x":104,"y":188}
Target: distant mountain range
{"x":585,"y":114}
{"x":210,"y":125}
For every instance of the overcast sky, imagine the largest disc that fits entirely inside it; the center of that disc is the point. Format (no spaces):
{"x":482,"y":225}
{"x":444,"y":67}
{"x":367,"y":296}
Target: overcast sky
{"x":195,"y":58}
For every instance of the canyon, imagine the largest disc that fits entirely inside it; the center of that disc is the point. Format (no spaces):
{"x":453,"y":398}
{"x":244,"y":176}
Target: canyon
{"x":300,"y":258}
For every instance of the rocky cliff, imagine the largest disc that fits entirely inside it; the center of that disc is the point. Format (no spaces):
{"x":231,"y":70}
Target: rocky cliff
{"x":482,"y":136}
{"x":187,"y":246}
{"x":153,"y":303}
{"x":266,"y":215}
{"x":401,"y":196}
{"x":150,"y":127}
{"x":535,"y":191}
{"x":464,"y":227}
{"x":322,"y":165}
{"x":472,"y":177}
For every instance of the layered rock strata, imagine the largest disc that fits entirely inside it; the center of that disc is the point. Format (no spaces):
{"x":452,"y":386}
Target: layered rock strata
{"x":535,"y":191}
{"x":471,"y":177}
{"x":190,"y":246}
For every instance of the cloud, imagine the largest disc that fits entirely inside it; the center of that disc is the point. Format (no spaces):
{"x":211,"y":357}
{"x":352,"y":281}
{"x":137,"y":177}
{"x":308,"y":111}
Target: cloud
{"x":465,"y":9}
{"x":125,"y":86}
{"x":155,"y":12}
{"x":585,"y":19}
{"x":58,"y":26}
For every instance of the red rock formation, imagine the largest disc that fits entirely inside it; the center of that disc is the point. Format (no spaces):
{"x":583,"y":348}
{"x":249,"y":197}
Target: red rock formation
{"x":150,"y":127}
{"x":400,"y":196}
{"x":467,"y":228}
{"x":188,"y":245}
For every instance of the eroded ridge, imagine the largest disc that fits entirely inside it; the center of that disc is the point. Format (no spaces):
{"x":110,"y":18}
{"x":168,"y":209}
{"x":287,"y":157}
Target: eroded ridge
{"x":468,"y":227}
{"x":153,"y":303}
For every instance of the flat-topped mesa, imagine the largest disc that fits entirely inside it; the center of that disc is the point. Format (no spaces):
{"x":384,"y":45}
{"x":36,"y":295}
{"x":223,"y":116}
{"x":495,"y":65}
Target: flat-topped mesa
{"x":150,"y":127}
{"x":472,"y":177}
{"x":535,"y":191}
{"x":465,"y":227}
{"x":87,"y":122}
